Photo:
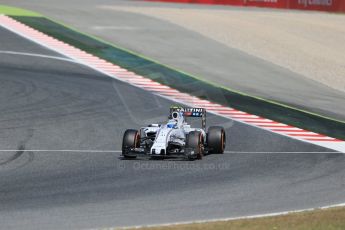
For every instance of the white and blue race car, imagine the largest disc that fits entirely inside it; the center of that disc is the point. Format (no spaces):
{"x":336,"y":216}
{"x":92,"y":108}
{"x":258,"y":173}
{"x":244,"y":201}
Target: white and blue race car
{"x":175,"y":138}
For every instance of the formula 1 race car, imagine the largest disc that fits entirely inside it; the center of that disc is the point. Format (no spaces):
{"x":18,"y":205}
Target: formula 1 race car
{"x":175,"y":138}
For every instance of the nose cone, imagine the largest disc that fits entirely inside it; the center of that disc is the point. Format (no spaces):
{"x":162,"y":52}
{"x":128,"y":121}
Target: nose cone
{"x":160,"y":144}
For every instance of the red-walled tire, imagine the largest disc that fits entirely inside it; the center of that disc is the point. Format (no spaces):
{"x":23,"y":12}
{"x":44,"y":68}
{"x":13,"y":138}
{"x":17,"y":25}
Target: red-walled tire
{"x":131,"y":139}
{"x":195,"y":142}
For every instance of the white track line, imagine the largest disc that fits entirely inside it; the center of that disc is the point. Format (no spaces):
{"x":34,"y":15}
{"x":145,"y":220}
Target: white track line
{"x":280,"y":152}
{"x":61,"y":150}
{"x":119,"y":151}
{"x":38,"y":55}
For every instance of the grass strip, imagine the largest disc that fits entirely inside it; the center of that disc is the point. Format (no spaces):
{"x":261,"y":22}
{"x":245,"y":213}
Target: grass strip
{"x":14,"y":11}
{"x":326,"y":219}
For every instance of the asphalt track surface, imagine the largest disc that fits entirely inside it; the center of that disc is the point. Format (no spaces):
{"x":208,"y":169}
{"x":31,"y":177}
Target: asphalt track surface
{"x":191,"y":52}
{"x":48,"y":104}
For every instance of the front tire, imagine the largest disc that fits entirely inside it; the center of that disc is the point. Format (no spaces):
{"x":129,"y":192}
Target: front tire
{"x":131,"y":139}
{"x":216,"y":139}
{"x":195,"y":143}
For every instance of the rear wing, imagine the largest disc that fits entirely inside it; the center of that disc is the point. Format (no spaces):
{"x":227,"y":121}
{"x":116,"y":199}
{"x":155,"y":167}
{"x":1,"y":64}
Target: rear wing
{"x":192,"y":112}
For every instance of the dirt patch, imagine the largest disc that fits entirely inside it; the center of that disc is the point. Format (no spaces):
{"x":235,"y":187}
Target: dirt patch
{"x":311,"y":44}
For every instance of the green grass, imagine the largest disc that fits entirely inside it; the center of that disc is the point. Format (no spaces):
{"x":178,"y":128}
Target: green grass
{"x":327,"y":219}
{"x":14,"y":11}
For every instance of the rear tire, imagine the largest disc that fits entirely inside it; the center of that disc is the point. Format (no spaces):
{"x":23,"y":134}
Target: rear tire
{"x":195,"y":142}
{"x":216,"y":139}
{"x":131,"y":139}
